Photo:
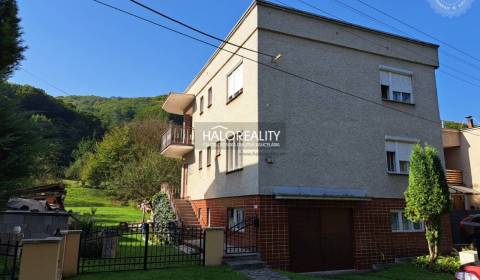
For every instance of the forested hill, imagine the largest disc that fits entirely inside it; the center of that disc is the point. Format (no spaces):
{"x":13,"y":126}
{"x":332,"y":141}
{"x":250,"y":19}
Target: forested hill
{"x":115,"y":111}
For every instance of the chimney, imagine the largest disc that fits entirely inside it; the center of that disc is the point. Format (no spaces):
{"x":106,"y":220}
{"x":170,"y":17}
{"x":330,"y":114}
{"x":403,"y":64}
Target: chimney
{"x":469,"y":122}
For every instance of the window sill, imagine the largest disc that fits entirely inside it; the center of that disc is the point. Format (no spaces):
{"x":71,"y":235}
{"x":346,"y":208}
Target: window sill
{"x":397,"y":173}
{"x":208,"y":165}
{"x":398,"y":102}
{"x":238,"y":93}
{"x":209,"y":105}
{"x":234,"y":171}
{"x":201,"y":113}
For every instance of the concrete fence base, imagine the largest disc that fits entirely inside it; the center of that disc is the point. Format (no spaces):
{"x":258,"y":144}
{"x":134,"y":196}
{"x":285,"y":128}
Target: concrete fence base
{"x":50,"y":258}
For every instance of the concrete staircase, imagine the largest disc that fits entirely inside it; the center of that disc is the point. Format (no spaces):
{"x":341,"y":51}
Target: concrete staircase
{"x":250,"y":261}
{"x":186,"y":214}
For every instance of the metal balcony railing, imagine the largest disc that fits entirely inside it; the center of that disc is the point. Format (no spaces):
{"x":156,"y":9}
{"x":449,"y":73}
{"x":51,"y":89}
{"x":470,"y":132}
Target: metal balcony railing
{"x":454,"y":177}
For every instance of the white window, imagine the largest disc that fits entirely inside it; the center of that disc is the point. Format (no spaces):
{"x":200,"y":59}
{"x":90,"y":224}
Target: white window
{"x":400,"y":223}
{"x":236,"y":219}
{"x":234,"y":151}
{"x":235,"y":82}
{"x":398,"y":156}
{"x":396,"y":86}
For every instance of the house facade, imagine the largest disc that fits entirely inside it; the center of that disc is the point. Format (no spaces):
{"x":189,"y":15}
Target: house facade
{"x":461,"y":148}
{"x":330,"y":195}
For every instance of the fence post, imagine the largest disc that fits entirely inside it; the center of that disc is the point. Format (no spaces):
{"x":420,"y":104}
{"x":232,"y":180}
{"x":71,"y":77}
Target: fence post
{"x":40,"y":259}
{"x":146,"y":227}
{"x":71,"y":254}
{"x":214,"y":242}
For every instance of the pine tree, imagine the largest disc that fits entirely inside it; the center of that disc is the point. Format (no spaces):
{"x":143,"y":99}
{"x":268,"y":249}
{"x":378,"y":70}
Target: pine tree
{"x":11,"y":44}
{"x":427,"y":195}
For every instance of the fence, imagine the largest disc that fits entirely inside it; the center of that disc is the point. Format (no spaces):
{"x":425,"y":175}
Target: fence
{"x":242,"y":237}
{"x":10,"y":249}
{"x":140,"y":246}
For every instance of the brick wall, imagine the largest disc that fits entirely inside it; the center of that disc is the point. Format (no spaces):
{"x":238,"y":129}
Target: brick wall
{"x":374,"y":242}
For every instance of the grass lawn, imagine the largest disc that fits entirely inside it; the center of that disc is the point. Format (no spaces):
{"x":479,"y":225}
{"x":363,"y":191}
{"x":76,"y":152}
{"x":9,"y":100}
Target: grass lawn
{"x":81,"y":200}
{"x":398,"y":272}
{"x":194,"y":272}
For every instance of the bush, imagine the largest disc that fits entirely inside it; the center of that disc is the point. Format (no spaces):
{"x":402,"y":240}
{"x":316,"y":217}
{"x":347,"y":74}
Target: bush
{"x":162,"y":211}
{"x":448,"y":264}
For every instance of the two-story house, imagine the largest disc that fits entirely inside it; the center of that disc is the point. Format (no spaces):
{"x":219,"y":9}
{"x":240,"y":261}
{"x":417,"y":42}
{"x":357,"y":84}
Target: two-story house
{"x":348,"y":102}
{"x":461,"y":148}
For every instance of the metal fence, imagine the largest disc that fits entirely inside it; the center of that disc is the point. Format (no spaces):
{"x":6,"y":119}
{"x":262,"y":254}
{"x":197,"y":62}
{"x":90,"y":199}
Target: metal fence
{"x":10,"y":250}
{"x":140,"y":247}
{"x":242,"y":237}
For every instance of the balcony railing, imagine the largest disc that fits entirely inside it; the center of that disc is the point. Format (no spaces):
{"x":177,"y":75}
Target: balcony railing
{"x":177,"y":135}
{"x":454,"y":177}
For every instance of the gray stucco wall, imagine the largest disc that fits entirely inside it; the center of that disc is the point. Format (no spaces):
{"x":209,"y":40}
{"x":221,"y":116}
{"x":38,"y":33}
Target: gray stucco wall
{"x":334,"y":140}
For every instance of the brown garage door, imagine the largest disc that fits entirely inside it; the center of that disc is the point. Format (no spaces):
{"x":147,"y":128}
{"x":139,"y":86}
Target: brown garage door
{"x":320,"y":239}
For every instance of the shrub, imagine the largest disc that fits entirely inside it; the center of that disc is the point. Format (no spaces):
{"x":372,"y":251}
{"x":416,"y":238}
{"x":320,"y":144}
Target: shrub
{"x":162,"y":212}
{"x":448,"y":264}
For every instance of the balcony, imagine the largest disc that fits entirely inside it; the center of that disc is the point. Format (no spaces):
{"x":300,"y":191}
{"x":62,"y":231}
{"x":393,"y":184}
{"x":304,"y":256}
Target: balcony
{"x":454,"y":177}
{"x":178,"y":103}
{"x":177,"y":141}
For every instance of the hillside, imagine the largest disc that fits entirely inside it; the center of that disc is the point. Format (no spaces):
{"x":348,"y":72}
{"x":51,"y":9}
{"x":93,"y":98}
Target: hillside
{"x":115,"y":111}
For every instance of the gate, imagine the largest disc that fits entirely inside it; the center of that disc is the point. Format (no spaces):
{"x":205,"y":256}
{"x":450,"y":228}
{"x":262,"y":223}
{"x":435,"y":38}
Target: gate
{"x":242,"y":237}
{"x":139,"y":246}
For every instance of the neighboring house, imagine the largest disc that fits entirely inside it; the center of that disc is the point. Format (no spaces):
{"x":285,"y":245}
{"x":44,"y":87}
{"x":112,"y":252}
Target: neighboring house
{"x":332,"y":197}
{"x":461,"y":148}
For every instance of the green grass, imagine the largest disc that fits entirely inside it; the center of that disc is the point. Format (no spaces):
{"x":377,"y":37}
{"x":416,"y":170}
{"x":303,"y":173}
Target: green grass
{"x":81,"y":200}
{"x":398,"y":272}
{"x":187,"y":273}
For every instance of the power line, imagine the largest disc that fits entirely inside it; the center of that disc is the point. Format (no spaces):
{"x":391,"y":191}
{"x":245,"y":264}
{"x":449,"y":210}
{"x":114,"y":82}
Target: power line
{"x":418,"y":30}
{"x":408,"y":34}
{"x":272,"y":67}
{"x":45,"y":81}
{"x":390,"y":49}
{"x":308,"y":4}
{"x":198,"y":30}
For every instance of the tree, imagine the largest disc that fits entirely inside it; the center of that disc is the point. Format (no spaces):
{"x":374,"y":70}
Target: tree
{"x":21,"y":147}
{"x":11,"y":45}
{"x":427,"y":195}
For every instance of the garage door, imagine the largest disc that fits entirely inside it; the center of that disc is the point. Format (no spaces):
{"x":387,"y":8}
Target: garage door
{"x":320,"y":239}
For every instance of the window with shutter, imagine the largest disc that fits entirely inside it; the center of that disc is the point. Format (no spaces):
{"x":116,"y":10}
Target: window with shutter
{"x":396,"y":86}
{"x":398,"y":156}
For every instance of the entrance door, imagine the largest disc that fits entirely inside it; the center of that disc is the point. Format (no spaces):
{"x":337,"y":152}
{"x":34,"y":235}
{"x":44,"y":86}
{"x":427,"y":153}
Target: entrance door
{"x":320,"y":239}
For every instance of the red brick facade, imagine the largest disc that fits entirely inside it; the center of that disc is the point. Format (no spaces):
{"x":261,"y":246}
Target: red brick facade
{"x":373,"y":240}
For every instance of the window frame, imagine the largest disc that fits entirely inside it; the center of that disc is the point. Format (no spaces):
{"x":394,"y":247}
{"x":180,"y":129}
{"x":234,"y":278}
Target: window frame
{"x":396,"y":71}
{"x":209,"y":97}
{"x":398,"y":140}
{"x":209,"y":217}
{"x":234,"y":222}
{"x":401,"y":223}
{"x":201,"y":104}
{"x":236,"y":150}
{"x":232,"y":97}
{"x":200,"y":163}
{"x":209,"y":156}
{"x":218,"y":148}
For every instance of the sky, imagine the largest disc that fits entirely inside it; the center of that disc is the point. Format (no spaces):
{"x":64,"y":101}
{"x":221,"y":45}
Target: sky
{"x":79,"y":47}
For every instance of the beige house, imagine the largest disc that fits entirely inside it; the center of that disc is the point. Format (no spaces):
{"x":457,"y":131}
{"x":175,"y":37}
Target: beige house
{"x":461,"y":148}
{"x":330,"y":195}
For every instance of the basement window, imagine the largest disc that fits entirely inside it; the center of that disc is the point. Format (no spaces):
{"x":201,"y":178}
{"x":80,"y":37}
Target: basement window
{"x":236,"y":219}
{"x":400,"y":223}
